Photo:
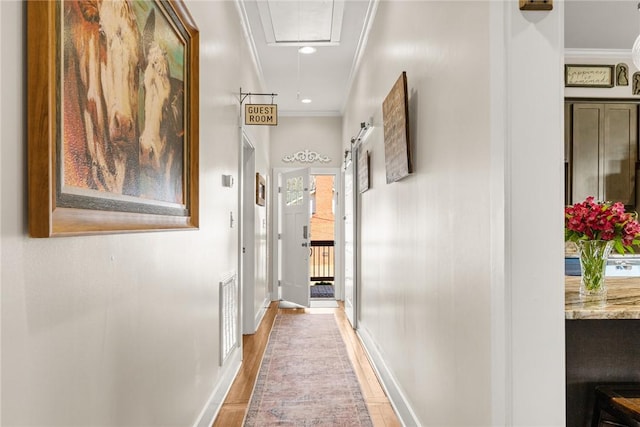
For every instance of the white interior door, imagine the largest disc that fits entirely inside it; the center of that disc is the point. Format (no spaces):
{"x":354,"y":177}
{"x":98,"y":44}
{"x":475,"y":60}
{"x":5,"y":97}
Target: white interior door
{"x":295,"y":237}
{"x":349,"y":245}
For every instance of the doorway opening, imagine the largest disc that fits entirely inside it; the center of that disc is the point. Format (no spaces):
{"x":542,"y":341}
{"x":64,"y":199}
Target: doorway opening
{"x":322,"y":201}
{"x":307,"y":253}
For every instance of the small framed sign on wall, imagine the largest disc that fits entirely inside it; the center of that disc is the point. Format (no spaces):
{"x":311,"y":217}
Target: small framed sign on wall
{"x":587,"y":75}
{"x":363,"y":169}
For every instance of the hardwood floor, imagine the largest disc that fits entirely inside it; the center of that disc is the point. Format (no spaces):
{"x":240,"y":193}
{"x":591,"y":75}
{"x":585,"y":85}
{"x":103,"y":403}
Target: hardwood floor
{"x":235,"y":405}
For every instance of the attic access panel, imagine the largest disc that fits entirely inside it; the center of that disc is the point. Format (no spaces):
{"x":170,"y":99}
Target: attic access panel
{"x":304,"y":22}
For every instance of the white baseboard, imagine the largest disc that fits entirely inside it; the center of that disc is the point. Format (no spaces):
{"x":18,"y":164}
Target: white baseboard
{"x":210,"y":411}
{"x":394,"y":392}
{"x":260,"y":314}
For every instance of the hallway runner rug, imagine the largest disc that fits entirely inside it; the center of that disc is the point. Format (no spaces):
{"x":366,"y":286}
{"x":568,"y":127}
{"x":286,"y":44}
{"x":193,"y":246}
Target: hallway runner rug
{"x":306,"y":377}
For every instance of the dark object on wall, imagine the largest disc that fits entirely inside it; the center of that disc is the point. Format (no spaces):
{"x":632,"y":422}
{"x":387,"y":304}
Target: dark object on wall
{"x":397,"y":144}
{"x":261,"y":190}
{"x":622,"y":74}
{"x":112,"y":130}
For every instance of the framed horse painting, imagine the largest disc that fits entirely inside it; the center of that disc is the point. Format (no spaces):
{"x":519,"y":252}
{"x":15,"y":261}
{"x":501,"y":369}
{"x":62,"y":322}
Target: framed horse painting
{"x":113,"y":116}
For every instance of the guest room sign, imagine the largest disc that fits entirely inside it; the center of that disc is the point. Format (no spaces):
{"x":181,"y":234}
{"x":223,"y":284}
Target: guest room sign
{"x":261,"y":114}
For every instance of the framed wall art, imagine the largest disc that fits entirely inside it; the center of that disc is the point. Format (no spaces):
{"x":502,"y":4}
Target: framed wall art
{"x":579,"y":75}
{"x":622,"y":74}
{"x":635,"y":89}
{"x":261,"y":190}
{"x":363,"y":170}
{"x":397,"y":144}
{"x":112,"y":117}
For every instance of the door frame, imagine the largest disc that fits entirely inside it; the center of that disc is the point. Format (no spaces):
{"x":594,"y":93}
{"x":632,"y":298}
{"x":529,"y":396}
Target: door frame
{"x":338,"y":230}
{"x":246,"y":229}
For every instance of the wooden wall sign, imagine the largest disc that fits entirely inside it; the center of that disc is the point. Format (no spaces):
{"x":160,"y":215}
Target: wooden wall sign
{"x":397,"y":144}
{"x":261,"y":114}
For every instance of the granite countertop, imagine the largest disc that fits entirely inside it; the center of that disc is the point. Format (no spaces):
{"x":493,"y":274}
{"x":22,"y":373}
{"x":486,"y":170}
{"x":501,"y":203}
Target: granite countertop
{"x":623,"y":300}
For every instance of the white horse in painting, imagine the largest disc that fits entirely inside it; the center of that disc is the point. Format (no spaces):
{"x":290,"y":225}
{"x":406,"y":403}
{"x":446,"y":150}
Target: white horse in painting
{"x":161,"y":140}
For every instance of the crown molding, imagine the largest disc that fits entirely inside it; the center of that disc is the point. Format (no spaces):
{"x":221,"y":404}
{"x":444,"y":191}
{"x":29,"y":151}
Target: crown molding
{"x":248,"y":34}
{"x":362,"y":44}
{"x":327,"y":113}
{"x":598,"y":53}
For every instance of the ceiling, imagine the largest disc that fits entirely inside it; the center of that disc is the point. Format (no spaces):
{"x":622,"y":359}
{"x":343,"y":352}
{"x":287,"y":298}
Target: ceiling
{"x":602,"y":24}
{"x":337,"y":29}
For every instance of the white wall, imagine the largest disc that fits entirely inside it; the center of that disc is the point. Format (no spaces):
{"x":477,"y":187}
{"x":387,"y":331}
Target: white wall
{"x":320,"y":134}
{"x":533,"y":132}
{"x":121,"y":329}
{"x":425,"y":281}
{"x":443,"y":251}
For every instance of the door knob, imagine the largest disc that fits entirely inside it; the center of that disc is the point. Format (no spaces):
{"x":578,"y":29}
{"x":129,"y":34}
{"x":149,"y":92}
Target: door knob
{"x":304,"y":245}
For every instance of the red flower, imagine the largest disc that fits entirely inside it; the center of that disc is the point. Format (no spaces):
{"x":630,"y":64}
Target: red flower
{"x":591,"y":220}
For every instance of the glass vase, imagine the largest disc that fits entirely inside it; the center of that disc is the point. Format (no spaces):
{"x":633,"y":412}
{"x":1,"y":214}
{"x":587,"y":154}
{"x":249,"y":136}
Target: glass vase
{"x":593,"y":262}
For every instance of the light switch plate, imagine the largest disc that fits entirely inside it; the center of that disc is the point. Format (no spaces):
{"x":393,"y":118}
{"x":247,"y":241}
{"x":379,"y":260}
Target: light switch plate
{"x":227,"y":180}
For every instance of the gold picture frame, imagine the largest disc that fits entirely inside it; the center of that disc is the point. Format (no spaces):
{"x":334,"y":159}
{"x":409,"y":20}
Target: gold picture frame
{"x":261,"y":190}
{"x":95,"y":166}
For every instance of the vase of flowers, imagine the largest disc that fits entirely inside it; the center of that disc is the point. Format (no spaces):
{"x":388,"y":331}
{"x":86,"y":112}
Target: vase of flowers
{"x":593,"y":263}
{"x":597,"y":228}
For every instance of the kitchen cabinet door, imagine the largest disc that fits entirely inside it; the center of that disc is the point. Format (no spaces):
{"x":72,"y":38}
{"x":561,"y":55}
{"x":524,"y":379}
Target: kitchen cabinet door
{"x":603,"y":151}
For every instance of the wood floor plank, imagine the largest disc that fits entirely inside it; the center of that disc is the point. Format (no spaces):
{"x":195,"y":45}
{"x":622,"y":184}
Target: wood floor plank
{"x":237,"y":401}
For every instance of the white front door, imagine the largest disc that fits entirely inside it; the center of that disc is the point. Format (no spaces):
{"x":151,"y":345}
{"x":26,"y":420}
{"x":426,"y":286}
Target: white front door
{"x":295,"y":237}
{"x":349,"y":245}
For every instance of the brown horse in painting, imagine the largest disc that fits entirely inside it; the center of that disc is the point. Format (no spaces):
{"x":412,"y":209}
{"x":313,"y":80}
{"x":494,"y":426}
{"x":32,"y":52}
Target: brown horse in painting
{"x":102,"y":65}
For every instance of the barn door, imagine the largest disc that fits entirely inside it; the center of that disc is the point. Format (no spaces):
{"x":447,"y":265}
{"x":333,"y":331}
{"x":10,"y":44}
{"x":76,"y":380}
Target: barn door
{"x":349,"y":244}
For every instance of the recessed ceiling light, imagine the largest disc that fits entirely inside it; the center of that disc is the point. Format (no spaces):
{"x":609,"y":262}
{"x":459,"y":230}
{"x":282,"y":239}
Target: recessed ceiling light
{"x":305,"y":101}
{"x":307,"y":50}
